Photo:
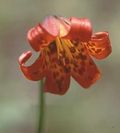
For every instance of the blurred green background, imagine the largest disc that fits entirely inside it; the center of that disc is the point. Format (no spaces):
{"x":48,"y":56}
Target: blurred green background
{"x":96,"y":110}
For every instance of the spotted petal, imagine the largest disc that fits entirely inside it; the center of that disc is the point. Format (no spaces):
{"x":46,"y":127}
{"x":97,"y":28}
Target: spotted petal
{"x":84,"y":71}
{"x":34,"y":72}
{"x":99,"y":46}
{"x":55,"y":85}
{"x":58,"y":79}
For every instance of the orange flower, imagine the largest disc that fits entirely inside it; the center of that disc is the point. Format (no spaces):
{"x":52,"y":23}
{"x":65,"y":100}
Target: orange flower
{"x":66,"y":47}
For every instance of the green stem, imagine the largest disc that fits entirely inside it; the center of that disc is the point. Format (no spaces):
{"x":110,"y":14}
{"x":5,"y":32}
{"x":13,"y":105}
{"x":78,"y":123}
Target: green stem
{"x":41,"y":108}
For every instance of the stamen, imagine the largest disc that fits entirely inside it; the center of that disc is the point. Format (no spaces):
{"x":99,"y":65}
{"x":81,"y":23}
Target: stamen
{"x":59,"y":47}
{"x":72,"y":46}
{"x":66,"y":45}
{"x":45,"y":52}
{"x":69,"y":44}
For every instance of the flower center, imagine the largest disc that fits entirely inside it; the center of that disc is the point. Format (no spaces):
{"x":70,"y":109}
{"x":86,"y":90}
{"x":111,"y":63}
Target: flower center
{"x":61,"y":49}
{"x":64,"y":48}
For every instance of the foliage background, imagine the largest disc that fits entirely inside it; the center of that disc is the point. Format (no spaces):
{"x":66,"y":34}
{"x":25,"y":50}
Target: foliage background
{"x":80,"y":111}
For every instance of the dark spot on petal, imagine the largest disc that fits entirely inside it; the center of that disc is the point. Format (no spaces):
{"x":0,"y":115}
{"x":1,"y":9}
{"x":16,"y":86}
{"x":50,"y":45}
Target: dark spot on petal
{"x":67,"y":60}
{"x":83,"y":57}
{"x":72,"y":49}
{"x":93,"y":49}
{"x":93,"y":44}
{"x":55,"y":16}
{"x":76,"y":65}
{"x":90,"y":44}
{"x":52,"y":47}
{"x":76,"y":43}
{"x":67,"y":69}
{"x":98,"y":50}
{"x":90,"y":51}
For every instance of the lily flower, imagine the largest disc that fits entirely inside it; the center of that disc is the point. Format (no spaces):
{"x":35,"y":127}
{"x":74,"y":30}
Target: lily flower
{"x":65,"y":46}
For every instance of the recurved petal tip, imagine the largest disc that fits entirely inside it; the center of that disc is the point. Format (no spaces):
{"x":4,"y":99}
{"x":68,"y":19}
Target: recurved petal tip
{"x":81,"y":29}
{"x":38,"y":37}
{"x":101,"y":43}
{"x":24,"y":57}
{"x":51,"y":25}
{"x":56,"y":26}
{"x":35,"y":71}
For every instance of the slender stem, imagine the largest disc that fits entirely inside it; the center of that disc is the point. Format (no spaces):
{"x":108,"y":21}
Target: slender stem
{"x":41,"y":108}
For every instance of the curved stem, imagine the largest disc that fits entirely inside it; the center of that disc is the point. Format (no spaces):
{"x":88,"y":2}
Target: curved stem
{"x":41,"y":108}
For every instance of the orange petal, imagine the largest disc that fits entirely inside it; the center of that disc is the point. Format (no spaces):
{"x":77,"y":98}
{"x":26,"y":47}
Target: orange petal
{"x":50,"y":25}
{"x":34,"y":72}
{"x":57,"y":85}
{"x":86,"y":75}
{"x":56,"y":26}
{"x":58,"y":77}
{"x":80,"y":29}
{"x":84,"y":71}
{"x":38,"y":37}
{"x":99,"y":46}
